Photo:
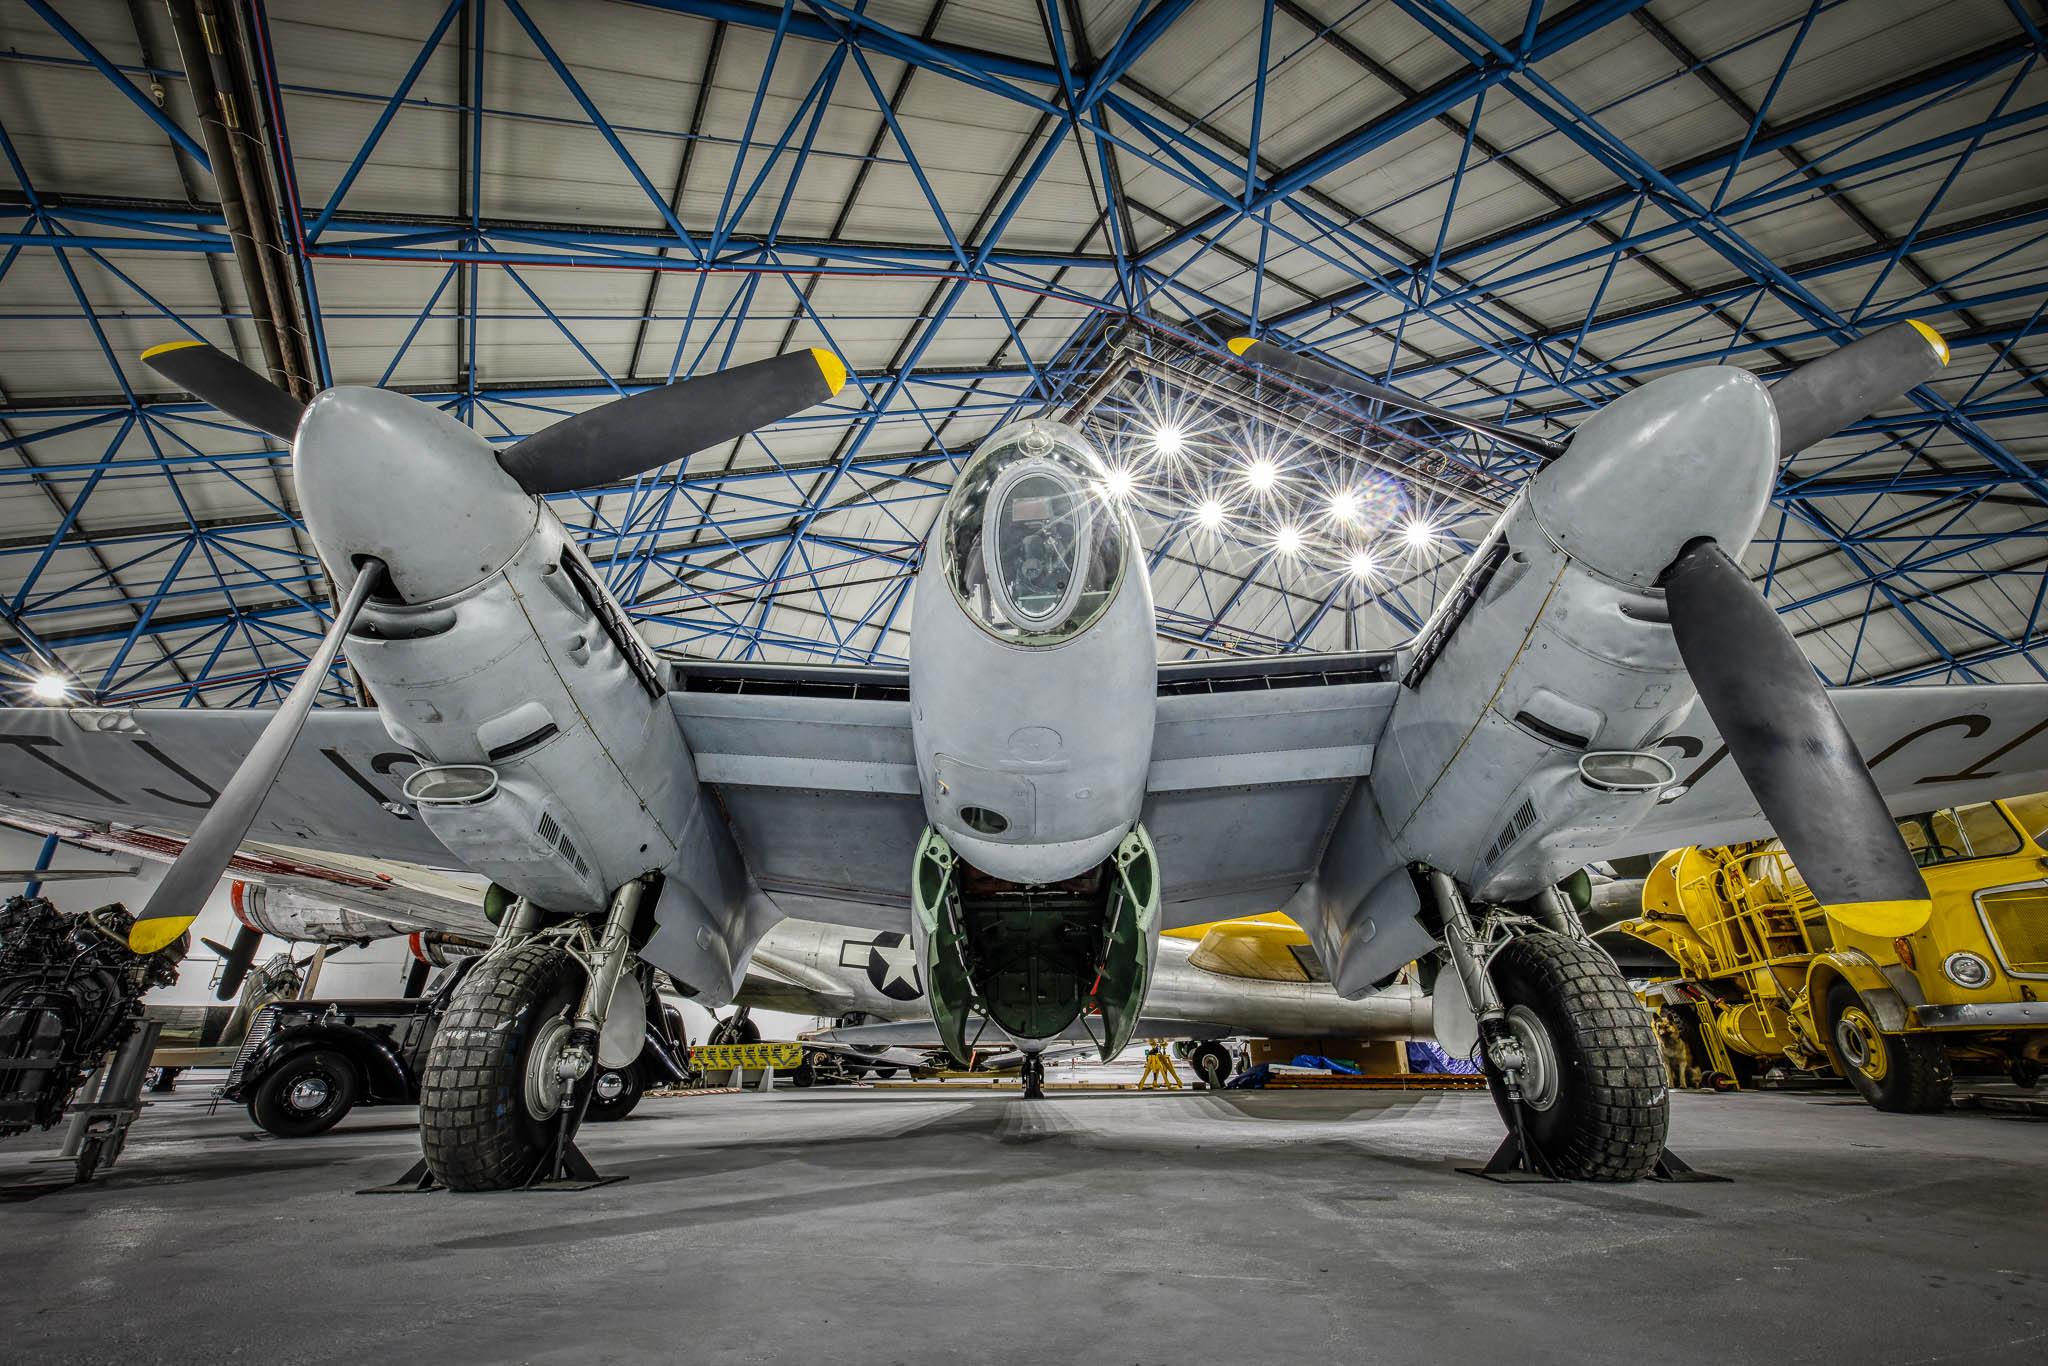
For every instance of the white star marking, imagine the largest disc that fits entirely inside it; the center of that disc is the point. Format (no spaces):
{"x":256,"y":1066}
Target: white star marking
{"x":902,"y":964}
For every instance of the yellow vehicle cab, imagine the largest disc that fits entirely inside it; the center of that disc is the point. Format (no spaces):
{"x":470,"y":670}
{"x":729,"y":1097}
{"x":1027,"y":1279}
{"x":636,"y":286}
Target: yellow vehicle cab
{"x":1758,"y":971}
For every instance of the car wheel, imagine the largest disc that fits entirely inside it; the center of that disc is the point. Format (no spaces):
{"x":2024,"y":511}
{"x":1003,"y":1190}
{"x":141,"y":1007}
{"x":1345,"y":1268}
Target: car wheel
{"x":1903,"y":1073}
{"x":306,"y":1094}
{"x":615,"y":1092}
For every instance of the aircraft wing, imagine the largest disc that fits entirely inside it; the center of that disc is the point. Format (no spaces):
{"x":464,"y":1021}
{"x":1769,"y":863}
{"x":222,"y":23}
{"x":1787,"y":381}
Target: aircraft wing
{"x":161,"y":768}
{"x":1252,"y":761}
{"x":1928,"y":747}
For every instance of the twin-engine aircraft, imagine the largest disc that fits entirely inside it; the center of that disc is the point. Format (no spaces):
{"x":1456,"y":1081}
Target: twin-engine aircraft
{"x":1037,"y":796}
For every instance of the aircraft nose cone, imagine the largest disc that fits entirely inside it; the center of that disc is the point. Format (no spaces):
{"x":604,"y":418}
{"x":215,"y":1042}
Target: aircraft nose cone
{"x":382,"y":474}
{"x":1692,"y":454}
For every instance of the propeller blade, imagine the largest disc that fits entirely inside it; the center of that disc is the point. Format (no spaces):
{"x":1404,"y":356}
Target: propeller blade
{"x":235,"y":962}
{"x":1823,"y":396}
{"x":217,"y":378}
{"x":1314,"y":372}
{"x":633,"y":435}
{"x":175,"y":903}
{"x":1791,"y":746}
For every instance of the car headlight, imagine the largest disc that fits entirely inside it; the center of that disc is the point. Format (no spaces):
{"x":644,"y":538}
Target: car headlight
{"x":1967,"y":970}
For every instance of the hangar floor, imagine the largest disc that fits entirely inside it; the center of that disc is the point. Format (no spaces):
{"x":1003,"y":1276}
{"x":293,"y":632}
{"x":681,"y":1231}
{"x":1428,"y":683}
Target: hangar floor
{"x":862,"y":1226}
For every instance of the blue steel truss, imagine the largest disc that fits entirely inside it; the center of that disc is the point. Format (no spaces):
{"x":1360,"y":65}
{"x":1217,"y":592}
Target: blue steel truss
{"x":1124,"y":331}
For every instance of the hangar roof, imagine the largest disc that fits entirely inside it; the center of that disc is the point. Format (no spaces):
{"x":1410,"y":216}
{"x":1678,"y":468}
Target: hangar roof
{"x":517,"y":209}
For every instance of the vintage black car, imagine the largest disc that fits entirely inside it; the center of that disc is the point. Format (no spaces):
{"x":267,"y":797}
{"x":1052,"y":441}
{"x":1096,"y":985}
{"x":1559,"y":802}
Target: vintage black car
{"x":305,"y":1064}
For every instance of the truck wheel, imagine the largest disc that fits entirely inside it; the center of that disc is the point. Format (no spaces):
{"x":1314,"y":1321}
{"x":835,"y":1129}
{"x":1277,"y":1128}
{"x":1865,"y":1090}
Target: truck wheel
{"x":1211,"y":1062}
{"x":1904,"y":1073}
{"x":615,"y":1092}
{"x":1594,"y":1102}
{"x":306,"y":1094}
{"x":488,"y":1094}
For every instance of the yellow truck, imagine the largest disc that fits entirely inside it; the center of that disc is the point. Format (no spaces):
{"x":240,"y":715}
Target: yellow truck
{"x":1759,"y":973}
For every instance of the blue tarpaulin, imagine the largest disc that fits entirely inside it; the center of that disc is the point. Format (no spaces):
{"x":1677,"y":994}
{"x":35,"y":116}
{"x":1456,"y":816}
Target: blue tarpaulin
{"x":1430,"y":1059}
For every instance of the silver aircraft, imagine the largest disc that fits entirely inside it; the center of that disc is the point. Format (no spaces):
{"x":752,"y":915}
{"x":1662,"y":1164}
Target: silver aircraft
{"x":1036,"y":797}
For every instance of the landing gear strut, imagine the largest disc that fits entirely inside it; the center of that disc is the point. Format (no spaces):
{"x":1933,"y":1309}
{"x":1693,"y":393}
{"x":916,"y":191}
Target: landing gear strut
{"x":1034,"y":1077}
{"x":1569,"y":1053}
{"x":514,"y":1064}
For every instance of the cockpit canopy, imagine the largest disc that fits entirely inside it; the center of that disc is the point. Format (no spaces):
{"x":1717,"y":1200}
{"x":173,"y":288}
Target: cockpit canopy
{"x":1032,"y":545}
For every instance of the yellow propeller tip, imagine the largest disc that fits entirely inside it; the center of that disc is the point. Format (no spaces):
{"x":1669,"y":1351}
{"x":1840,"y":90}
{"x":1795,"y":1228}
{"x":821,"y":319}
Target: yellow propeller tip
{"x":833,"y":368}
{"x":147,"y":936}
{"x":1933,"y":338}
{"x":1883,"y":919}
{"x":183,"y":345}
{"x":1239,"y":345}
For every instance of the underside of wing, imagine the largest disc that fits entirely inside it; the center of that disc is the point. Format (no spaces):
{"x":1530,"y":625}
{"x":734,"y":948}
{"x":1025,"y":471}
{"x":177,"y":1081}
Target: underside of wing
{"x":1928,"y":747}
{"x":1252,"y":762}
{"x":160,"y":769}
{"x":818,"y":778}
{"x":1249,"y":774}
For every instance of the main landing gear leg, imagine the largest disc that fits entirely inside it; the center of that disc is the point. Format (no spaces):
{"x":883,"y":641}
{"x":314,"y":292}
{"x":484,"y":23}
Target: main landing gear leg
{"x":1034,"y":1077}
{"x":1568,"y":1051}
{"x":514,"y":1063}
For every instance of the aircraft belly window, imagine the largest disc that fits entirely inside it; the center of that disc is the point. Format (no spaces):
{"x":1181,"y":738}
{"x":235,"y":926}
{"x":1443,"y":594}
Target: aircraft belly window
{"x":983,"y":821}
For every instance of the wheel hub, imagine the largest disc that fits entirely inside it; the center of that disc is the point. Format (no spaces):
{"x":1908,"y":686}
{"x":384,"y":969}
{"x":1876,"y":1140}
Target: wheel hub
{"x":543,"y":1068}
{"x":609,"y":1086}
{"x":308,"y":1094}
{"x":1856,"y":1038}
{"x":1540,"y":1075}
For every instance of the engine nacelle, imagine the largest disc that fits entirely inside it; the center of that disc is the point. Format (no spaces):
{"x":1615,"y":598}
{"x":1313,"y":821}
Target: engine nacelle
{"x":293,"y":915}
{"x":532,"y":716}
{"x":1032,"y":608}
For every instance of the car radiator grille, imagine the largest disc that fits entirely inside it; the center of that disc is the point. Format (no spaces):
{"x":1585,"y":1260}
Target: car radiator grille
{"x":259,"y":1030}
{"x":2018,"y":921}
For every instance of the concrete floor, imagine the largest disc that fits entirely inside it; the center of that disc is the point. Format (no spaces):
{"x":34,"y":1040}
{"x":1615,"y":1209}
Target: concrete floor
{"x":853,"y":1226}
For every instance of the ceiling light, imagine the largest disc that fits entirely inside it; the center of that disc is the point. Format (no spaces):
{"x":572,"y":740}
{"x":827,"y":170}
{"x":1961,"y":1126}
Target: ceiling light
{"x":49,"y":688}
{"x":1360,"y":563}
{"x":1261,"y":474}
{"x":1417,"y":535}
{"x":1168,"y":441}
{"x":1210,"y":514}
{"x":1287,"y":540}
{"x":1344,"y":505}
{"x":1118,"y":483}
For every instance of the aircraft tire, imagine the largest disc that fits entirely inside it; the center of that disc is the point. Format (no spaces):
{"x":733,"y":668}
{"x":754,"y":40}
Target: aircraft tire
{"x":1902,"y":1073}
{"x":478,"y":1129}
{"x":1211,"y":1062}
{"x":632,"y":1086}
{"x":884,"y":1073}
{"x":1595,"y":1102}
{"x":306,"y":1094}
